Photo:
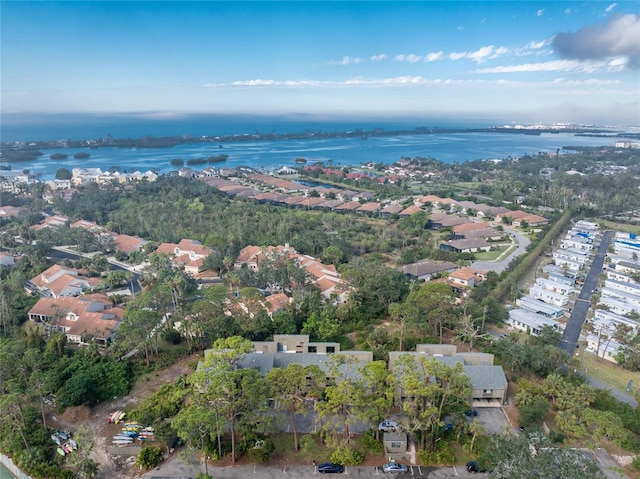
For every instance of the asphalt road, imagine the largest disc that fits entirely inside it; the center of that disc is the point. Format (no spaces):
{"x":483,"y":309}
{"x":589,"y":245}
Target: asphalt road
{"x":499,"y":266}
{"x":582,"y":304}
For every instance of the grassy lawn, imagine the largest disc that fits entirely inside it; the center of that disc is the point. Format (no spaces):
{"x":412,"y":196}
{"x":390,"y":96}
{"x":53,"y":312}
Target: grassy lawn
{"x":610,"y":373}
{"x":491,"y":255}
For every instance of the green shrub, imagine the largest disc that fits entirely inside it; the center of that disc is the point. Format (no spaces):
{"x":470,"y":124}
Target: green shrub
{"x":556,"y":437}
{"x":370,"y":443}
{"x":149,"y":457}
{"x":442,"y":456}
{"x":348,"y":456}
{"x":261,"y":450}
{"x":636,"y":463}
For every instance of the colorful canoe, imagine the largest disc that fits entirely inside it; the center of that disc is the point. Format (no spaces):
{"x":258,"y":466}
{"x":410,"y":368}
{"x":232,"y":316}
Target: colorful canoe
{"x":120,"y":417}
{"x":74,"y":444}
{"x":56,"y":439}
{"x":60,"y":451}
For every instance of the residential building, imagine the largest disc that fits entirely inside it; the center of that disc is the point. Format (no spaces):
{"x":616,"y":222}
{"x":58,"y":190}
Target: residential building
{"x":543,"y":294}
{"x":427,"y":268}
{"x":58,"y":281}
{"x":467,"y":245}
{"x":488,"y":382}
{"x":188,"y":254}
{"x":531,"y":322}
{"x":86,"y":319}
{"x":540,"y":307}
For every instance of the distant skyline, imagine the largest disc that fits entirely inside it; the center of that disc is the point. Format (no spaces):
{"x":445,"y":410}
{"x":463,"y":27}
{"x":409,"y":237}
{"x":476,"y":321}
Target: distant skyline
{"x":523,"y":62}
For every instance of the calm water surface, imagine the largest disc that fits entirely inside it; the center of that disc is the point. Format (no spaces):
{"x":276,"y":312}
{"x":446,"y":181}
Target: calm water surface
{"x":269,"y":155}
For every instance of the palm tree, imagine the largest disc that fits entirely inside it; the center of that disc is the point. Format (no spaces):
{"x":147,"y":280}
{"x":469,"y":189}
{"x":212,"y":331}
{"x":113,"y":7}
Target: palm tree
{"x":475,"y":428}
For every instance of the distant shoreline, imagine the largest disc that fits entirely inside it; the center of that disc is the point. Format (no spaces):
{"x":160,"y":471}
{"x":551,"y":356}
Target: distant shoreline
{"x":16,"y":152}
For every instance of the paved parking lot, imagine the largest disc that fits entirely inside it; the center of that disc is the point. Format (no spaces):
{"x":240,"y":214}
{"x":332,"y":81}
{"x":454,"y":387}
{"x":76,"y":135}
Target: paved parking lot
{"x":493,"y":420}
{"x":308,"y":472}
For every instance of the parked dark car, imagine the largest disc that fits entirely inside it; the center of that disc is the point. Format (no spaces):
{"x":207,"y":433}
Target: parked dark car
{"x":330,"y":468}
{"x":473,"y":466}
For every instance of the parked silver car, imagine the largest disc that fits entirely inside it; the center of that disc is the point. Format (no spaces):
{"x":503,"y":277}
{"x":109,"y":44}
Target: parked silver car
{"x":395,"y":468}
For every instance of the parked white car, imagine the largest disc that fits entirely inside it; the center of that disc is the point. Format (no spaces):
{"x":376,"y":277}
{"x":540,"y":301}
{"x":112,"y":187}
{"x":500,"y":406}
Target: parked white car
{"x":388,"y":426}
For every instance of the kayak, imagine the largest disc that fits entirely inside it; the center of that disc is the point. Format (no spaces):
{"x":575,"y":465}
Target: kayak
{"x":74,"y":444}
{"x":60,"y":451}
{"x":56,"y":439}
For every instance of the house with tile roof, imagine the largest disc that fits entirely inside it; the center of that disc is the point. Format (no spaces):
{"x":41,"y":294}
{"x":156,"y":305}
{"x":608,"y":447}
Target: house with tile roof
{"x":368,"y":208}
{"x":129,"y":244}
{"x":390,"y":209}
{"x":7,"y":211}
{"x":324,"y":276}
{"x":188,"y":255}
{"x":466,"y":277}
{"x":85,"y":319}
{"x":52,"y":221}
{"x":531,"y":220}
{"x":276,"y":302}
{"x":410,"y":210}
{"x":442,"y":220}
{"x":59,"y":281}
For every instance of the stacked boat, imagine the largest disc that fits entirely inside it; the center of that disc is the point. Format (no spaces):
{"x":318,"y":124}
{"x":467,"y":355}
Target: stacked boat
{"x":64,"y":441}
{"x":146,"y":435}
{"x":116,"y":417}
{"x":131,"y":431}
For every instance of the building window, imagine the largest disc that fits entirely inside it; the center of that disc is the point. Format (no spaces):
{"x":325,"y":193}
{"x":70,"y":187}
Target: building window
{"x":313,"y":349}
{"x":396,"y":445}
{"x":331,"y":349}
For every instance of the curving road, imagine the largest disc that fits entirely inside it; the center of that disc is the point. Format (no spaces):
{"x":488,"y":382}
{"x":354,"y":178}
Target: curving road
{"x":499,"y":266}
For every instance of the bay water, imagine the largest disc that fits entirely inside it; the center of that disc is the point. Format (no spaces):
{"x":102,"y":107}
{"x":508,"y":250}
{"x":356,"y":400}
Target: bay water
{"x":267,"y":155}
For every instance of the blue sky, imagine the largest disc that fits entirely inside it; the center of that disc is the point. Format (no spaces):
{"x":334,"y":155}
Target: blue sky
{"x":518,"y":61}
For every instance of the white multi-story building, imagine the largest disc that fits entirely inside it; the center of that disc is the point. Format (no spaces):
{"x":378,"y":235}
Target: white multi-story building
{"x":530,"y":322}
{"x":554,"y":286}
{"x":557,"y":299}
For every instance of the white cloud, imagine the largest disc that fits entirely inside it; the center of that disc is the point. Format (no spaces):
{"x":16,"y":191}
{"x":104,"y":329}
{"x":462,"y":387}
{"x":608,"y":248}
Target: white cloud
{"x":413,"y":58}
{"x":540,"y":12}
{"x":346,"y":60}
{"x":567,"y":11}
{"x":379,"y":58}
{"x":610,"y":7}
{"x":550,"y":66}
{"x":432,"y":57}
{"x":481,"y":55}
{"x":457,"y":55}
{"x":460,"y":27}
{"x":417,"y":80}
{"x":399,"y":58}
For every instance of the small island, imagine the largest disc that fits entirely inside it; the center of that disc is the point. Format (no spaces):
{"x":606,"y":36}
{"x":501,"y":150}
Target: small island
{"x":217,"y":158}
{"x":81,"y":155}
{"x":59,"y":156}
